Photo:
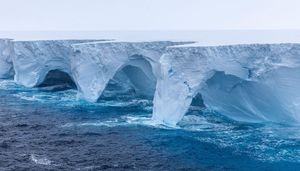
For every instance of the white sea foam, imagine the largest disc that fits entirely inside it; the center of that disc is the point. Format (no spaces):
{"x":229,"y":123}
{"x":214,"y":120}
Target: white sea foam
{"x":8,"y":84}
{"x":127,"y":120}
{"x":189,"y":123}
{"x":40,"y":160}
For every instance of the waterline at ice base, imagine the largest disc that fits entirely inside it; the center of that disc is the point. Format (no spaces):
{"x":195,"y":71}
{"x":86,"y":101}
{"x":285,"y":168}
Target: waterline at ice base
{"x":182,"y":100}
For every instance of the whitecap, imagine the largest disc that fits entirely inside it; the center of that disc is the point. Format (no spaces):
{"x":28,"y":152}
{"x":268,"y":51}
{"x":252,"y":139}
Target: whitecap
{"x":40,"y":160}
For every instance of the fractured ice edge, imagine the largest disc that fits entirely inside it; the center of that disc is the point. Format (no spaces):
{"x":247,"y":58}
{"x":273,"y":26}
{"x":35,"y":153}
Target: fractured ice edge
{"x":251,"y":82}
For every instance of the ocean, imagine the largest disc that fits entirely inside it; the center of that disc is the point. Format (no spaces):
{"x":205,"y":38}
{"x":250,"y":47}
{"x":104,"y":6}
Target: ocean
{"x":51,"y":129}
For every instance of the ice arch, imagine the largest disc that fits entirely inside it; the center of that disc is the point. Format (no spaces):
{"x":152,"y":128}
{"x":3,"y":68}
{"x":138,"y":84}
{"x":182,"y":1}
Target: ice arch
{"x":58,"y":80}
{"x":139,"y":72}
{"x":34,"y":59}
{"x":133,"y":79}
{"x":254,"y":101}
{"x":186,"y":70}
{"x":95,"y":64}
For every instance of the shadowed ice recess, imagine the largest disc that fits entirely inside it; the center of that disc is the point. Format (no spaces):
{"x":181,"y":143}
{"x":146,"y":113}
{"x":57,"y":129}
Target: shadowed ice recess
{"x":266,"y":142}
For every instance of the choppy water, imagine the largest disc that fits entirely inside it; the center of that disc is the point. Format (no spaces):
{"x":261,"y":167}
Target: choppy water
{"x":46,"y":130}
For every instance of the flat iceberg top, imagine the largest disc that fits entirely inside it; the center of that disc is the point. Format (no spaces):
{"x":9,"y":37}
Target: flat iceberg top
{"x":152,"y":49}
{"x":198,"y":45}
{"x":134,"y":42}
{"x":5,"y":39}
{"x":69,"y":41}
{"x":204,"y":38}
{"x":125,"y":41}
{"x":140,"y":44}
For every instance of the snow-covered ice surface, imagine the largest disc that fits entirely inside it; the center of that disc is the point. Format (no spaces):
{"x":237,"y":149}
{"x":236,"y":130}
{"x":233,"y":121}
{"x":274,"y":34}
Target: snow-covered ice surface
{"x":205,"y":37}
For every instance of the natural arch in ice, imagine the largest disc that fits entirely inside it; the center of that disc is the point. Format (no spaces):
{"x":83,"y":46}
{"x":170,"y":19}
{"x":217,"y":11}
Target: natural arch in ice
{"x":58,"y":80}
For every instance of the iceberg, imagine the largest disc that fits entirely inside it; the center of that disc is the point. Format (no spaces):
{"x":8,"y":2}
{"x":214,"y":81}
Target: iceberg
{"x":251,"y":83}
{"x":6,"y":53}
{"x":95,"y":64}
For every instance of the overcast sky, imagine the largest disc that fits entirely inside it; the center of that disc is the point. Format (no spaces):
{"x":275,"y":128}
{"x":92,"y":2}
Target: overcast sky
{"x":148,"y":14}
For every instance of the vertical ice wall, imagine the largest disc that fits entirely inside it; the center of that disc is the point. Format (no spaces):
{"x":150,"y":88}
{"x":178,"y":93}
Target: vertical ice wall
{"x":6,"y":53}
{"x":34,"y":59}
{"x":257,"y":82}
{"x":186,"y":70}
{"x":96,"y":63}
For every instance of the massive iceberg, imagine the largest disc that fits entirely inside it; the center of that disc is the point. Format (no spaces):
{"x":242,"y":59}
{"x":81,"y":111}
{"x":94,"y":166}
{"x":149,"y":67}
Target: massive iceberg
{"x":251,"y":82}
{"x":6,"y":53}
{"x":33,"y":60}
{"x":245,"y":82}
{"x":96,"y":63}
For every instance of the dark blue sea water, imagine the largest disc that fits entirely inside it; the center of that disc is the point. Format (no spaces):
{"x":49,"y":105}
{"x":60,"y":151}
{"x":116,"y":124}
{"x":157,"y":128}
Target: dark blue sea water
{"x":51,"y":130}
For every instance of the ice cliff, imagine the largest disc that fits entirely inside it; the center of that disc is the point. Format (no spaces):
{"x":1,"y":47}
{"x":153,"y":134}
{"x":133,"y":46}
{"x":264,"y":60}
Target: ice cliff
{"x":33,"y":60}
{"x":95,"y":64}
{"x":244,"y":82}
{"x":6,"y":53}
{"x":252,"y":83}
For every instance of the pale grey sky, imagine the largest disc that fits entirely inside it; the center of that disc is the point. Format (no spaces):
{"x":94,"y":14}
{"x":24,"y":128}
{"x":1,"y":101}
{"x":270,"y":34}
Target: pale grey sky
{"x":148,"y":14}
